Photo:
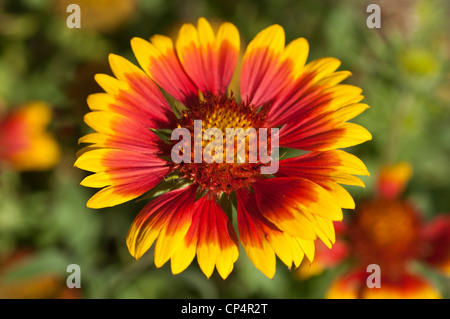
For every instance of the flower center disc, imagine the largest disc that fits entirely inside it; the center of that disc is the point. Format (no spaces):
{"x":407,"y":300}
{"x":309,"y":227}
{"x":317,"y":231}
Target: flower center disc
{"x":386,"y":232}
{"x":221,"y":168}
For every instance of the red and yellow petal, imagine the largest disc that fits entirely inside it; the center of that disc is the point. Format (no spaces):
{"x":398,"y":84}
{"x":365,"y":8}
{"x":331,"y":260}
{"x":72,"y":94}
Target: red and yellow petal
{"x":253,"y":229}
{"x":298,"y":206}
{"x":315,"y":115}
{"x":313,"y":91}
{"x":113,"y":124}
{"x":392,"y":179}
{"x":211,"y":237}
{"x":209,"y":59}
{"x":436,"y":251}
{"x":166,"y":219}
{"x":262,"y":240}
{"x":325,"y":130}
{"x":327,"y":169}
{"x":132,"y":94}
{"x":123,"y":151}
{"x":263,"y":73}
{"x":159,"y":60}
{"x":307,"y":100}
{"x":125,"y":174}
{"x":117,"y":131}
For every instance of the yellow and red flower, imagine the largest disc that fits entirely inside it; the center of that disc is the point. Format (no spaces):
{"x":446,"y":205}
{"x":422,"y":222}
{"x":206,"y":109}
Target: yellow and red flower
{"x":277,"y":215}
{"x":388,"y":231}
{"x":25,"y":144}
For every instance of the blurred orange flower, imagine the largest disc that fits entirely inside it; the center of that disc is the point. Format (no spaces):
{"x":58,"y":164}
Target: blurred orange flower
{"x":387,"y":231}
{"x":25,"y":145}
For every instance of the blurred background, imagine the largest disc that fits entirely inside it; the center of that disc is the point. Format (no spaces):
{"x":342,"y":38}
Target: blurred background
{"x":403,"y":68}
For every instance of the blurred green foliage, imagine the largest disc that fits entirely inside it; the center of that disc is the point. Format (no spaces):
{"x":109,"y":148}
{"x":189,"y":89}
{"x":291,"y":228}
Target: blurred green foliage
{"x":403,"y":69}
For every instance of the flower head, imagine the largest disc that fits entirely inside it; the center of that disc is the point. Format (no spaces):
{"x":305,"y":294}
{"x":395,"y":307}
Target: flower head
{"x":25,"y":145}
{"x":184,"y":85}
